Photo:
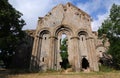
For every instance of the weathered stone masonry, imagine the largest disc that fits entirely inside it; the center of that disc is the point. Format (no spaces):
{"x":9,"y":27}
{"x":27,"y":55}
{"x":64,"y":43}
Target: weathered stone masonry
{"x":82,"y":42}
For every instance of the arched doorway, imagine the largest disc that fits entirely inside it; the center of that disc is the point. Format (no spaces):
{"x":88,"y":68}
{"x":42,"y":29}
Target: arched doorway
{"x":85,"y":63}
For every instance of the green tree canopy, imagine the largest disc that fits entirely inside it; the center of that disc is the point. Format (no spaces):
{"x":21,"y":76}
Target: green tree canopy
{"x":64,"y":54}
{"x":63,"y":49}
{"x":11,"y":32}
{"x":111,"y":27}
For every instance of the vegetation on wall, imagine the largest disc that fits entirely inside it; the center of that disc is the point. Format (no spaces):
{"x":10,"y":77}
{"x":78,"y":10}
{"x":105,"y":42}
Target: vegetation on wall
{"x":111,"y":27}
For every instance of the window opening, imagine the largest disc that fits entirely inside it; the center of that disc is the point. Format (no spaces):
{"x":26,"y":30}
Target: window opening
{"x":43,"y":59}
{"x":45,"y":38}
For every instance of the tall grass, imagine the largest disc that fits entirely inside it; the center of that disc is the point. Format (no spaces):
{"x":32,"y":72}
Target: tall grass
{"x":104,"y":68}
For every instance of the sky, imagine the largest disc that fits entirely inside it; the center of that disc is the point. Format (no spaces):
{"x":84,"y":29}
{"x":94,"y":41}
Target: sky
{"x":32,"y":9}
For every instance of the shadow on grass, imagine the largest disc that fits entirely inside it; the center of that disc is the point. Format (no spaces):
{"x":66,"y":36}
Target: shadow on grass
{"x":4,"y":73}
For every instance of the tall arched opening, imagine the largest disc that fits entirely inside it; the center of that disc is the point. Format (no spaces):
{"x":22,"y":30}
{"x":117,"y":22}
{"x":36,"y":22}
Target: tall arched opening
{"x":60,"y":33}
{"x":83,"y":50}
{"x":64,"y":52}
{"x":43,"y":49}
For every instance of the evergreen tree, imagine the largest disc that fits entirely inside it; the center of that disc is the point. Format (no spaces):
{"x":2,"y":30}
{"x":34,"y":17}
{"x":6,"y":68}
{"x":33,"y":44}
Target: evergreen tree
{"x":111,"y":27}
{"x":11,"y":32}
{"x":64,"y":54}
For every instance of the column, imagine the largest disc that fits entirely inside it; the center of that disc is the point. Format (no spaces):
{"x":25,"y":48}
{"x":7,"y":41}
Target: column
{"x":76,"y":55}
{"x":89,"y":53}
{"x":96,"y":68}
{"x":92,"y":54}
{"x":52,"y":52}
{"x":59,"y":59}
{"x":34,"y":52}
{"x":39,"y":51}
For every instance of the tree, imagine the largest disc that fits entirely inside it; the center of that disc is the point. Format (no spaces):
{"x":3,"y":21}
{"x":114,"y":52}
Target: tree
{"x":11,"y":32}
{"x":63,"y":49}
{"x":111,"y":27}
{"x":64,"y":54}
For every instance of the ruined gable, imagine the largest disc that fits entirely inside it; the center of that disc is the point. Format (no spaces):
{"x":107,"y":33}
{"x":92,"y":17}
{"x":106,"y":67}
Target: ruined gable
{"x":83,"y":46}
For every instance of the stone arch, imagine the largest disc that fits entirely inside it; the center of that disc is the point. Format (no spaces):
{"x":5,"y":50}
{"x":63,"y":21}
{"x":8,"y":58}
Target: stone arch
{"x":83,"y":48}
{"x":43,"y":53}
{"x":83,"y":33}
{"x":43,"y":31}
{"x":61,"y":28}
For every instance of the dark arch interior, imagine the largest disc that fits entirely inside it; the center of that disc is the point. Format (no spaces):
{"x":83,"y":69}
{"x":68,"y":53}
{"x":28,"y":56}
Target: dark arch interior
{"x":85,"y":63}
{"x":63,"y":28}
{"x":82,"y":33}
{"x":44,"y":32}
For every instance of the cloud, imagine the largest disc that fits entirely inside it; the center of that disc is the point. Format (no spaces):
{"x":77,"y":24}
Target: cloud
{"x":90,"y":6}
{"x":32,"y":9}
{"x":94,"y":6}
{"x":97,"y":23}
{"x":101,"y":17}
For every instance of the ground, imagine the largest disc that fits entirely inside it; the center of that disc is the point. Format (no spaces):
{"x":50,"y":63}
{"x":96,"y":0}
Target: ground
{"x":8,"y":74}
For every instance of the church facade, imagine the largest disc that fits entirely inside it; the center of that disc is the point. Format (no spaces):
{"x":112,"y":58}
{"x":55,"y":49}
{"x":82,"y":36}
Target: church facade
{"x":82,"y":43}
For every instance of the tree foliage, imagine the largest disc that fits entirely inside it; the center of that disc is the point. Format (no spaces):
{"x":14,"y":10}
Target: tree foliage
{"x":63,"y":49}
{"x":111,"y":27}
{"x":64,"y":54}
{"x":11,"y":32}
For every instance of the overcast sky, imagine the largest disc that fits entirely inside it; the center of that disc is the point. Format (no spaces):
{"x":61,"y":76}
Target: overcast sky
{"x":32,"y":9}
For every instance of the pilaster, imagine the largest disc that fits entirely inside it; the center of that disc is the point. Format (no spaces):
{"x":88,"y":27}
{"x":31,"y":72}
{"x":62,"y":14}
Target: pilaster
{"x":92,"y":54}
{"x":53,"y":57}
{"x":33,"y":61}
{"x":76,"y":55}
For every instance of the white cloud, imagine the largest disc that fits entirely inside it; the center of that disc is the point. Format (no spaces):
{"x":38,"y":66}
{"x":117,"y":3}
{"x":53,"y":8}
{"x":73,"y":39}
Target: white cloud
{"x":101,"y":17}
{"x":93,"y":6}
{"x":32,"y":9}
{"x":97,"y":23}
{"x":90,"y":6}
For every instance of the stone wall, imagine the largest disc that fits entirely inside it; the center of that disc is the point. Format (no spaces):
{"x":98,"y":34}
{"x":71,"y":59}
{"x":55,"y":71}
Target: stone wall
{"x":82,"y":42}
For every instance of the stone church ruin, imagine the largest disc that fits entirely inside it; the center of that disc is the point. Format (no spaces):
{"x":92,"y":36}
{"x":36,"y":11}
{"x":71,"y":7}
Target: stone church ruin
{"x":84,"y":47}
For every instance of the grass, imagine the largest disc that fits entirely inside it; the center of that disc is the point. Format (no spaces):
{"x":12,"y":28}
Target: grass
{"x":103,"y":73}
{"x":103,"y":68}
{"x":68,"y":75}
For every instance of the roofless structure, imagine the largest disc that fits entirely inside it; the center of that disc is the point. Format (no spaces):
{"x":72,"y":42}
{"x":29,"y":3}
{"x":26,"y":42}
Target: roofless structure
{"x":83,"y":46}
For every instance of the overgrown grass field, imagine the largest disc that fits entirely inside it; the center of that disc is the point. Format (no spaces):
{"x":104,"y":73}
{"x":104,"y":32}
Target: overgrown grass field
{"x":106,"y":74}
